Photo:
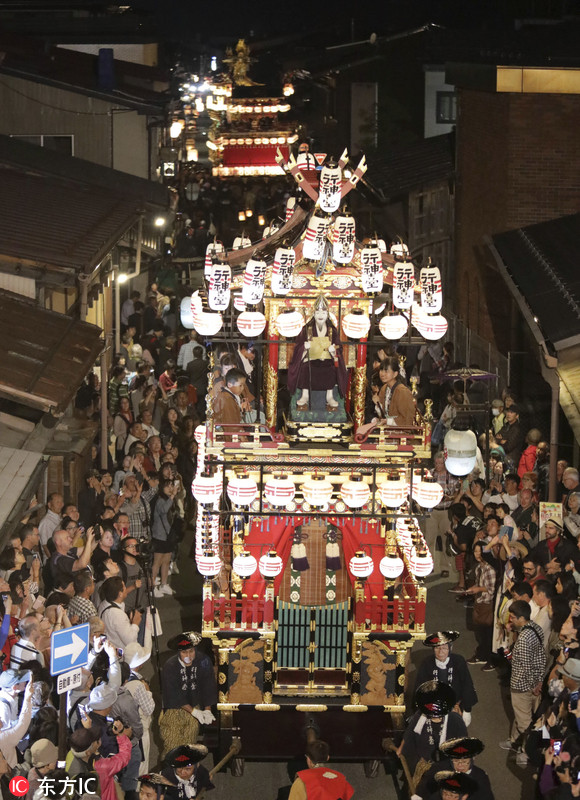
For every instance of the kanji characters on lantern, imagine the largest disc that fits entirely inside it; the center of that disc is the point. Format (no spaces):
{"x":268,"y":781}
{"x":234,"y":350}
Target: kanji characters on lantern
{"x":254,"y":282}
{"x":343,"y":239}
{"x":329,"y":188}
{"x":371,"y":263}
{"x":403,"y":284}
{"x":431,"y":294}
{"x":282,"y":270}
{"x":219,"y":286}
{"x":315,"y":237}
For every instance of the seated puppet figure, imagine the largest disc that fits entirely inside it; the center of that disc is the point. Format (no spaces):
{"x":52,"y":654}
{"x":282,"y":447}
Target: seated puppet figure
{"x":317,"y":361}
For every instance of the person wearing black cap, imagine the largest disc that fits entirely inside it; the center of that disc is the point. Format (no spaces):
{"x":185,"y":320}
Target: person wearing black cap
{"x":433,"y":723}
{"x":154,"y":786}
{"x":457,"y":756}
{"x":450,"y":668}
{"x":453,"y":786}
{"x":185,"y":772}
{"x":189,"y":690}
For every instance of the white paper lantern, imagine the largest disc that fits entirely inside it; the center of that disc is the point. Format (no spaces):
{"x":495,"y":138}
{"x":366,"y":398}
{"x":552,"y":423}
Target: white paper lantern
{"x":460,"y":450}
{"x":200,"y":433}
{"x":239,"y":304}
{"x":290,"y":207}
{"x":254,"y":282}
{"x":289,"y":323}
{"x":391,"y":566}
{"x":213,"y":250}
{"x":427,"y":492}
{"x":244,"y":564}
{"x":209,"y":564}
{"x":356,"y":324}
{"x":282,"y":270}
{"x":241,"y":242}
{"x":185,"y":313}
{"x":207,"y":488}
{"x":400,"y":250}
{"x":405,"y":529}
{"x":393,"y":492}
{"x":270,"y":565}
{"x":317,"y":491}
{"x":315,"y":237}
{"x":355,"y":492}
{"x":361,"y":565}
{"x":242,"y":490}
{"x":330,"y":188}
{"x":420,"y":563}
{"x":431,"y":294}
{"x":403,"y":284}
{"x":430,"y":326}
{"x":394,"y":326}
{"x":218,"y":296}
{"x":251,"y":323}
{"x":372,"y":273}
{"x":208,"y":324}
{"x":279,"y":491}
{"x":343,"y":237}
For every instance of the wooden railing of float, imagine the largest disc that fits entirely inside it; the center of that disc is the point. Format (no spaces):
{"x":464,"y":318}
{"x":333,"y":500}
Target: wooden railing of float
{"x":238,"y":613}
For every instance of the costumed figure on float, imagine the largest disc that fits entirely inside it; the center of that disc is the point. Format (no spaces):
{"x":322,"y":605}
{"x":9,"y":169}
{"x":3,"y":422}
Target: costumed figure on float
{"x":317,"y":363}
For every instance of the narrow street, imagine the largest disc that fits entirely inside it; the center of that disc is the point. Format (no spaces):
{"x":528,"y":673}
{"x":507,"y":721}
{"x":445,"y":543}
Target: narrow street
{"x":490,"y":722}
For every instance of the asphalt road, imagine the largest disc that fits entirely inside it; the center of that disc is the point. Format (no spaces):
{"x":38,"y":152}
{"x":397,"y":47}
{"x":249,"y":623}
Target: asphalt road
{"x":264,"y":779}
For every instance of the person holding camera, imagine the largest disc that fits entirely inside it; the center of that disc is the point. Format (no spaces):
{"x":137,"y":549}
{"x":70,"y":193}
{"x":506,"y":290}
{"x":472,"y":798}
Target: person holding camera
{"x":110,"y":763}
{"x":162,"y":535}
{"x":121,"y":628}
{"x":132,"y":573}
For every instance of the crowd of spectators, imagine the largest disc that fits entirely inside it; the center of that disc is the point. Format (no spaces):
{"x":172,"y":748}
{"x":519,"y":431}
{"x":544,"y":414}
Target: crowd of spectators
{"x":106,"y":560}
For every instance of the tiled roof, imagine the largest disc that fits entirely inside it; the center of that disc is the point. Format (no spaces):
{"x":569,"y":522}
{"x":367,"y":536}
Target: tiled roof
{"x":45,"y":355}
{"x":421,"y":163}
{"x":63,"y":212}
{"x":542,"y":260}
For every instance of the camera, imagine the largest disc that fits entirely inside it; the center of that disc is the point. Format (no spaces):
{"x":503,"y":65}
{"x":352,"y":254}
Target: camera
{"x":556,"y":745}
{"x":574,"y":700}
{"x":98,"y":531}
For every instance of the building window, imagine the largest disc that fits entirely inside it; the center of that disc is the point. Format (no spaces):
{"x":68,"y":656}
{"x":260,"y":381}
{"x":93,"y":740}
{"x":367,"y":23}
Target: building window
{"x":446,"y":110}
{"x":60,"y":143}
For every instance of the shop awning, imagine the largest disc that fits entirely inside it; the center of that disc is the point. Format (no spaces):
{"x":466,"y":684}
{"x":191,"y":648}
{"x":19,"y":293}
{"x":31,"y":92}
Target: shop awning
{"x":20,"y":473}
{"x":45,"y":356}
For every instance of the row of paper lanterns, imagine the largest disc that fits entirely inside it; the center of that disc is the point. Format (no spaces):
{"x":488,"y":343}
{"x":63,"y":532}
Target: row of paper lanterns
{"x":317,"y":490}
{"x":361,"y":565}
{"x":289,"y":323}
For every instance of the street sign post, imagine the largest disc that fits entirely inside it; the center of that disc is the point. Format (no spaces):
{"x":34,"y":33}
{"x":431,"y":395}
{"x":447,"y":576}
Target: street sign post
{"x":67,"y":681}
{"x":69,"y":651}
{"x":69,"y":648}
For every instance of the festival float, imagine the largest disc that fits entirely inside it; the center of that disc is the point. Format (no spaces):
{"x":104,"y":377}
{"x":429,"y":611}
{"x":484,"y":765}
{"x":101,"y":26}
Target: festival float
{"x":307,"y":531}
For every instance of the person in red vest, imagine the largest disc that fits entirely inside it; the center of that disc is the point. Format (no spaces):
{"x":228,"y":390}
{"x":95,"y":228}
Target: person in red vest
{"x":319,"y":782}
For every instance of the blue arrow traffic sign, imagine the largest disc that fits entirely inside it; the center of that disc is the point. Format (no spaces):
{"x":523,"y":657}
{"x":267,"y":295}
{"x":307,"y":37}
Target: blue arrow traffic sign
{"x":69,"y":648}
